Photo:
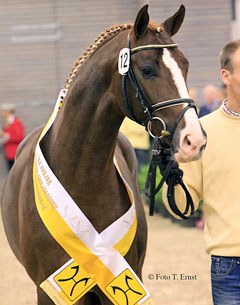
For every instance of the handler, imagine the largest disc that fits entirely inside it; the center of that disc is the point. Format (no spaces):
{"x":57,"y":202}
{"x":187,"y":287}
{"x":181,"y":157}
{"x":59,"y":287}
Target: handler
{"x":215,"y":178}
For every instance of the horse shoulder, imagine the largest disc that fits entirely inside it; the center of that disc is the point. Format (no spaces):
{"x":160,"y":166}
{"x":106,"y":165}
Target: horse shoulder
{"x":127,"y":151}
{"x":18,"y":203}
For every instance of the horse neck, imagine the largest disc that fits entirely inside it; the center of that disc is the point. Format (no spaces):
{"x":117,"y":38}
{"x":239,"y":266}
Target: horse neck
{"x":82,"y":140}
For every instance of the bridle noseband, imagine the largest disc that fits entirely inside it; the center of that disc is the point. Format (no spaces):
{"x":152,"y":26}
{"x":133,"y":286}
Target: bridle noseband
{"x":148,"y":108}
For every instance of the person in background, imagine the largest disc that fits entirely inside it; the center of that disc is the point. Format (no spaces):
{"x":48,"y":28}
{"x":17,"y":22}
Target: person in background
{"x":12,"y":132}
{"x":211,"y":98}
{"x":215,"y":180}
{"x":139,"y":139}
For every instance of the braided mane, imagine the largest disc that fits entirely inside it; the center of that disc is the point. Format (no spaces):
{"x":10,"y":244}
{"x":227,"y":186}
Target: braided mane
{"x":97,"y":42}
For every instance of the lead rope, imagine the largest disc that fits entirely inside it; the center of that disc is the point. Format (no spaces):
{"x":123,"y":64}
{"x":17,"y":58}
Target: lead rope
{"x":172,"y":176}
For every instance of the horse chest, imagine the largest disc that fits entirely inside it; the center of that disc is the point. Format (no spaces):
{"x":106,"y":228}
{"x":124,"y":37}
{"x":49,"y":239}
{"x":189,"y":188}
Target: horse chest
{"x":103,"y":206}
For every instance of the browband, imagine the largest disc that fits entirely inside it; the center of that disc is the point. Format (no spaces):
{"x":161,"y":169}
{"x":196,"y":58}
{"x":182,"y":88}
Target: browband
{"x":153,"y":46}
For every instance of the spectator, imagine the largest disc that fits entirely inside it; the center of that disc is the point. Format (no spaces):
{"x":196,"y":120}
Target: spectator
{"x":211,"y":98}
{"x":139,"y":139}
{"x":215,"y":180}
{"x":12,"y":133}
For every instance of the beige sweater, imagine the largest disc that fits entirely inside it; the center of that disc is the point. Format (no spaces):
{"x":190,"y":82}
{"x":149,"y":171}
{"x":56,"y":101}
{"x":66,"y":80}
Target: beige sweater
{"x":136,"y":134}
{"x":216,"y":179}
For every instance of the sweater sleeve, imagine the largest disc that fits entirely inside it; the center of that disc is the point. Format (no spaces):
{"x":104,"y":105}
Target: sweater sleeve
{"x":15,"y":132}
{"x":192,"y":178}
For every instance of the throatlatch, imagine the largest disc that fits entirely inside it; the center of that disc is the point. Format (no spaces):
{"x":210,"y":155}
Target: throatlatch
{"x":172,"y":175}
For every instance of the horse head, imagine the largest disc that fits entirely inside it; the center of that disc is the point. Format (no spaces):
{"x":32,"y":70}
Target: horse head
{"x":154,"y":73}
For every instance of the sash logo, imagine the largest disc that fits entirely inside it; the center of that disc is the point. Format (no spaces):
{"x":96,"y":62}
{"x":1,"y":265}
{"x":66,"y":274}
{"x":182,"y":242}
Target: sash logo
{"x":125,"y":289}
{"x":74,"y":282}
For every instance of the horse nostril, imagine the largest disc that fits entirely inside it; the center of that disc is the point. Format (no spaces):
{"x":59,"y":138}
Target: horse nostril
{"x":188,"y":143}
{"x":202,"y":147}
{"x":187,"y":140}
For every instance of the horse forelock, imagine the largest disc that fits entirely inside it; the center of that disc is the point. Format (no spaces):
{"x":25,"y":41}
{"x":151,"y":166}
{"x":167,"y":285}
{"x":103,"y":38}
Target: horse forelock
{"x":155,"y":27}
{"x":101,"y":38}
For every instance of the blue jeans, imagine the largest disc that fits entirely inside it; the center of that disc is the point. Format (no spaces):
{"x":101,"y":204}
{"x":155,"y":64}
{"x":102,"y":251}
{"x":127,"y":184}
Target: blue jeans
{"x":225,"y":274}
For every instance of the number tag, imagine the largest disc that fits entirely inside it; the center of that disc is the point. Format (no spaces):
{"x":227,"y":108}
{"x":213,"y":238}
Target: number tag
{"x":124,"y":61}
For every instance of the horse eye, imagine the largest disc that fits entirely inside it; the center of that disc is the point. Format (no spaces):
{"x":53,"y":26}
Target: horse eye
{"x":147,"y":71}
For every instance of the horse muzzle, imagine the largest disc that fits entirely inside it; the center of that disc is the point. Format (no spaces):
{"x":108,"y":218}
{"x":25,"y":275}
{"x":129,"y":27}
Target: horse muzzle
{"x":192,"y":143}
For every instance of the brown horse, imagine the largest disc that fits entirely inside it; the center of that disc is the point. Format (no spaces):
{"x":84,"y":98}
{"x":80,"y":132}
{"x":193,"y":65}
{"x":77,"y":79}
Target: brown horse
{"x":81,"y":144}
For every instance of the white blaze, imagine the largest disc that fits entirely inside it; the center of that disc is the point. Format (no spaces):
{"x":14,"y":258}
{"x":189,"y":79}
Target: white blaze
{"x":176,"y":72}
{"x":192,"y":133}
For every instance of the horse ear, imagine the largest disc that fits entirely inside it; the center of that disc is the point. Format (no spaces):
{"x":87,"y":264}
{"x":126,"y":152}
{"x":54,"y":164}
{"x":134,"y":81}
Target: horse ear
{"x":141,"y":22}
{"x":173,"y":23}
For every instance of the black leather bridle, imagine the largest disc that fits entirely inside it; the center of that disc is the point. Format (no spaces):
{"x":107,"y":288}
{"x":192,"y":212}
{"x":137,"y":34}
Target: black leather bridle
{"x":148,"y":108}
{"x":149,"y":111}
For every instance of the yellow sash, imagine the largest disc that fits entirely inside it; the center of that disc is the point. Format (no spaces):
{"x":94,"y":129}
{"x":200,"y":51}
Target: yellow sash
{"x":96,"y":259}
